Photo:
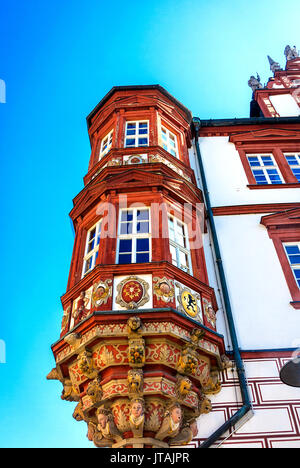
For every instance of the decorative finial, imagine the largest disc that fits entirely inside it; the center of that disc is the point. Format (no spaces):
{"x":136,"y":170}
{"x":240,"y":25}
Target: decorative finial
{"x":255,"y":83}
{"x":291,"y":53}
{"x":274,"y":66}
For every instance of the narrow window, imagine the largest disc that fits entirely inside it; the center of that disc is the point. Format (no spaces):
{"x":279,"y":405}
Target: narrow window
{"x":106,"y":144}
{"x":136,"y":134}
{"x":293,"y":160}
{"x":292,"y":250}
{"x":91,"y":248}
{"x":169,"y":142}
{"x":265,"y":169}
{"x":134,"y":237}
{"x":179,"y":246}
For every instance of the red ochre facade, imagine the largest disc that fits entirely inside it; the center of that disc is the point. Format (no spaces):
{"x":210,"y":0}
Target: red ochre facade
{"x":138,"y":349}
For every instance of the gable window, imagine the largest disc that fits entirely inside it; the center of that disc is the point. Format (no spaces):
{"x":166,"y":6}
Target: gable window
{"x":292,"y":250}
{"x":106,"y":144}
{"x":91,"y":248}
{"x":136,"y":134}
{"x":169,"y":141}
{"x":264,"y":169}
{"x":293,"y":159}
{"x":179,"y":245}
{"x":134,"y":239}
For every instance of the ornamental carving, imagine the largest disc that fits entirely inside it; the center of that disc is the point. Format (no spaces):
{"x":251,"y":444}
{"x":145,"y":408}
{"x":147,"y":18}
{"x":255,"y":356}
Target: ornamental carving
{"x":102,"y":291}
{"x":134,"y":326}
{"x":86,"y":365}
{"x":188,"y":361}
{"x":66,"y":319}
{"x":172,"y":422}
{"x":209,"y":313}
{"x":136,"y":352}
{"x":135,"y":382}
{"x":105,"y":433}
{"x":137,"y":417}
{"x":183,"y":386}
{"x":163,"y":288}
{"x":69,"y":392}
{"x":132,"y":292}
{"x":94,"y":391}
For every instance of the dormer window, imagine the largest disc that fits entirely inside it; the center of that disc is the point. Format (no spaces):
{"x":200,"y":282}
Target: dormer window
{"x":106,"y":144}
{"x":136,"y":134}
{"x":169,"y":142}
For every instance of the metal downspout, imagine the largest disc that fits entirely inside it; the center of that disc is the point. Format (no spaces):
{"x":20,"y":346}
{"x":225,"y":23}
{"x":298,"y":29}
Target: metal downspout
{"x":246,"y":408}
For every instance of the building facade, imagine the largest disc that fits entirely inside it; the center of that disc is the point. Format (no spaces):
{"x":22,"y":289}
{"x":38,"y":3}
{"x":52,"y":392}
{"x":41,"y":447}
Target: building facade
{"x":183,"y":298}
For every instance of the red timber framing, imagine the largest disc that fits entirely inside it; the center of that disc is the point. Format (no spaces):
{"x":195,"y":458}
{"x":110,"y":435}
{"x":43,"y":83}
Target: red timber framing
{"x":285,"y":227}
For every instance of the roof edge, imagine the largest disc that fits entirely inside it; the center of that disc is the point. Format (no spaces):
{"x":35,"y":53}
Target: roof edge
{"x":138,"y":87}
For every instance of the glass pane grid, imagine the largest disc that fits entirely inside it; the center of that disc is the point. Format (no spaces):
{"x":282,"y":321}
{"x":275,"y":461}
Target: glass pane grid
{"x":293,"y":254}
{"x":169,"y":142}
{"x":134,"y":236}
{"x":294,"y":163}
{"x":268,"y":172}
{"x":137,"y":134}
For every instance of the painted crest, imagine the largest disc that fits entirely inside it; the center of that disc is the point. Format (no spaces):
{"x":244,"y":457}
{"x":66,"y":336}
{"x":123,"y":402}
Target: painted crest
{"x":188,"y":302}
{"x":101,"y":292}
{"x":132,"y":292}
{"x":163,"y":288}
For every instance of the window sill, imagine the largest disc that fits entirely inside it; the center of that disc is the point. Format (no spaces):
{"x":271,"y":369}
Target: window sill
{"x":295,"y":304}
{"x":273,"y":186}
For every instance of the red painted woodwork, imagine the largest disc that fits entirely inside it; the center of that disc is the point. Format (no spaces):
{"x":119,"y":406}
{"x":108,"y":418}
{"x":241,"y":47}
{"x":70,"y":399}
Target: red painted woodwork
{"x":285,"y":227}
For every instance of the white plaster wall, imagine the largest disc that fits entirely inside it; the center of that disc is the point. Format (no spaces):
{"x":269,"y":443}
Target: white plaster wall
{"x":226,"y":178}
{"x":285,"y":105}
{"x":258,"y":290}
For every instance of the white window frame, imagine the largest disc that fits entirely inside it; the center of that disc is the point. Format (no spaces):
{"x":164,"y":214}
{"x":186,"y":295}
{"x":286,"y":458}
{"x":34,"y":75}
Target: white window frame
{"x":294,"y":266}
{"x":293,"y":166}
{"x":93,"y":253}
{"x":136,"y":135}
{"x":265,"y":168}
{"x":167,"y":143}
{"x":179,"y":248}
{"x":103,"y":151}
{"x":134,"y":236}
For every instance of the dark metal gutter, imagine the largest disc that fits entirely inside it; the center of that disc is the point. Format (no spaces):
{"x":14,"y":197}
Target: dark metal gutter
{"x":249,"y":121}
{"x":246,"y":408}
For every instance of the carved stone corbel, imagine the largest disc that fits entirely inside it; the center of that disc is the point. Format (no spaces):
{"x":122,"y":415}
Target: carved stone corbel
{"x":171,"y":424}
{"x":137,"y":417}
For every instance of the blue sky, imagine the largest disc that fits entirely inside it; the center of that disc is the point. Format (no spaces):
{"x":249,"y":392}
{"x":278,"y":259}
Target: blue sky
{"x":58,"y":59}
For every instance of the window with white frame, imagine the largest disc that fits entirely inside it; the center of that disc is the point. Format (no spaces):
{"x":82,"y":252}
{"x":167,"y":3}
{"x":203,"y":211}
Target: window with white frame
{"x":292,"y":250}
{"x":169,"y":141}
{"x":134,"y":238}
{"x":179,"y":245}
{"x":91,"y":248}
{"x":293,"y":160}
{"x":137,"y":134}
{"x":265,"y":169}
{"x":106,"y":144}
